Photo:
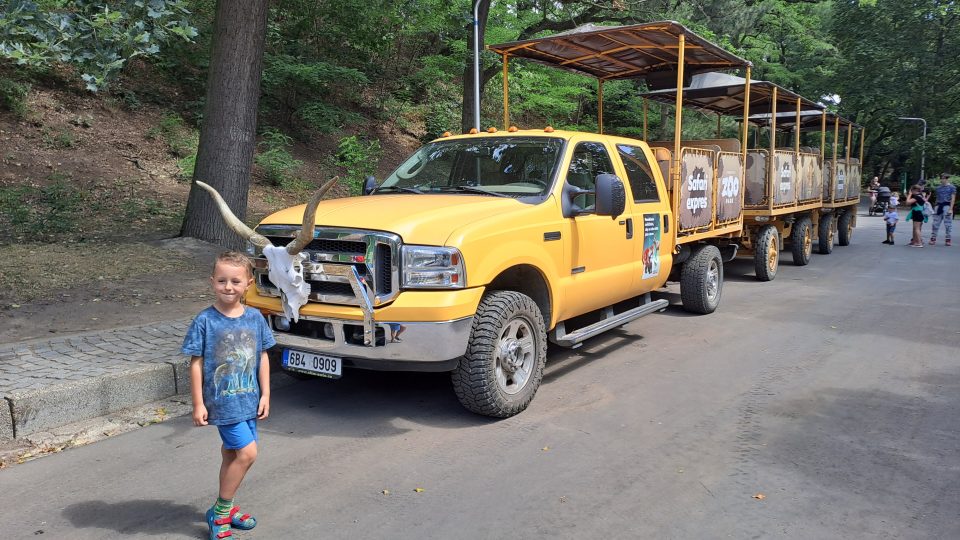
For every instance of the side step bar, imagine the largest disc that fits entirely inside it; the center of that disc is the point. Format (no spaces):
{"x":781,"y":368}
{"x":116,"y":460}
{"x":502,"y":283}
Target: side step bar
{"x":577,"y":337}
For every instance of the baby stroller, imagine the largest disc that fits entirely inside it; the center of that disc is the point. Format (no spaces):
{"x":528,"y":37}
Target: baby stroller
{"x":879,"y":206}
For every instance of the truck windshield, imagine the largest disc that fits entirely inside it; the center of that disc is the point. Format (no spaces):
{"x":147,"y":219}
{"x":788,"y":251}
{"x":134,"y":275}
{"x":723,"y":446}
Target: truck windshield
{"x":516,"y":167}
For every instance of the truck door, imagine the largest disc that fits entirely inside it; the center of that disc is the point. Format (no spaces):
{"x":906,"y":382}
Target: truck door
{"x":653,"y":245}
{"x":601,"y":249}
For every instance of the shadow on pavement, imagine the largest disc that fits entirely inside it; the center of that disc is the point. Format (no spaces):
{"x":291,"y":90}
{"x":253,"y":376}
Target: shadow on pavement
{"x":151,"y":517}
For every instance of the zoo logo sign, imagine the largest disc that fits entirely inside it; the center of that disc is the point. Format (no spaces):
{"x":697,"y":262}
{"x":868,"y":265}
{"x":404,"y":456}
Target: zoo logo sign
{"x":731,"y":186}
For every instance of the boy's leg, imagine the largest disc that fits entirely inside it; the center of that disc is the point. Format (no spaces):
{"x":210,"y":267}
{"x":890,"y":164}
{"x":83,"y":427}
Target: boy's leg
{"x":937,"y":220}
{"x":947,"y":227}
{"x":235,"y":465}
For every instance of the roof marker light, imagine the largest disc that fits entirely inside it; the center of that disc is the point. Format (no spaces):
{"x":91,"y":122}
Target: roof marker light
{"x":548,"y":129}
{"x":491,"y":130}
{"x":512,"y":129}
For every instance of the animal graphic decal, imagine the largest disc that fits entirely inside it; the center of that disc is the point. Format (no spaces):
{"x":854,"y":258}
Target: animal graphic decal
{"x":236,"y":364}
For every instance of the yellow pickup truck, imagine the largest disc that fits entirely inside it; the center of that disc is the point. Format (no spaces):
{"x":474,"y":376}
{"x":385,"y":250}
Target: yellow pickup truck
{"x":475,"y":250}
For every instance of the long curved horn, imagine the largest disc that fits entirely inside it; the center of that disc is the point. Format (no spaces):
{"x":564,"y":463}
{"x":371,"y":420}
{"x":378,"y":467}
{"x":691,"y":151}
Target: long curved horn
{"x":305,"y":236}
{"x":232,"y":221}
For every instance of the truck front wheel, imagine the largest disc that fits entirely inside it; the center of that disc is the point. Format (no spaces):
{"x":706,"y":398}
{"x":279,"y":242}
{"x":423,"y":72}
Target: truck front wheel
{"x":701,"y":281}
{"x":503,"y":366}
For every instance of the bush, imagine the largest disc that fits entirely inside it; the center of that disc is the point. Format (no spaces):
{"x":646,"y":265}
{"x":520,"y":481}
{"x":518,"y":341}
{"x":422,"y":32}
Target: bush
{"x":360,"y":158}
{"x":13,"y":96}
{"x":278,"y":165}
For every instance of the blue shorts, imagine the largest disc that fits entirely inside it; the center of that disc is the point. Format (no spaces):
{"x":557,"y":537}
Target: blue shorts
{"x":239,"y":435}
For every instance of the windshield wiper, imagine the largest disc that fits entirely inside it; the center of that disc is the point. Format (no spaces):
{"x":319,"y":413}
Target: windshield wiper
{"x":398,"y":188}
{"x":474,"y":189}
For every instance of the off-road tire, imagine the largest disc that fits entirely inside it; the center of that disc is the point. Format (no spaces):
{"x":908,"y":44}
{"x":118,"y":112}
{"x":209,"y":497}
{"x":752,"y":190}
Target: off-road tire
{"x":801,"y":241}
{"x":475,"y":380}
{"x":845,"y":228}
{"x":825,"y":234}
{"x":701,"y":281}
{"x":766,"y":253}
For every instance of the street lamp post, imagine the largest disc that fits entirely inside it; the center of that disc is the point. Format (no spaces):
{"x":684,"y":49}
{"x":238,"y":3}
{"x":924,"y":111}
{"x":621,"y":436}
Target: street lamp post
{"x":923,"y":148}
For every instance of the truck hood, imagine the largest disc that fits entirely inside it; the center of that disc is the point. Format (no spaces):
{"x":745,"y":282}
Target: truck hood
{"x":418,"y":219}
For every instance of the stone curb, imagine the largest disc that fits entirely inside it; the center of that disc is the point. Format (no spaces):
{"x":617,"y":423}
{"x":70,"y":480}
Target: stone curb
{"x":6,"y":421}
{"x":48,"y":408}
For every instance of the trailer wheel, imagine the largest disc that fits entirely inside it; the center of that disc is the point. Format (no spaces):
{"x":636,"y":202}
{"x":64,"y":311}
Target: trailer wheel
{"x":801,"y":241}
{"x":701,"y":281}
{"x":503,"y":366}
{"x":845,"y":228}
{"x":766,"y":255}
{"x":825,"y":245}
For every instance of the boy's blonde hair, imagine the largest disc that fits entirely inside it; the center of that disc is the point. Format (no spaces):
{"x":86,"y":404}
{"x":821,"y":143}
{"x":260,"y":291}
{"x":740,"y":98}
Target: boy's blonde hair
{"x":235,"y":258}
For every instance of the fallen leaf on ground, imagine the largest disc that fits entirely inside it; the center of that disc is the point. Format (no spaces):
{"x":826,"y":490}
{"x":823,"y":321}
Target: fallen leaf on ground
{"x":545,"y":448}
{"x":419,"y":490}
{"x":385,"y":492}
{"x":759,"y":496}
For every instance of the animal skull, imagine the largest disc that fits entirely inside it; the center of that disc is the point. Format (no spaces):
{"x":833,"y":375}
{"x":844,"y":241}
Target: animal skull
{"x":285,"y":264}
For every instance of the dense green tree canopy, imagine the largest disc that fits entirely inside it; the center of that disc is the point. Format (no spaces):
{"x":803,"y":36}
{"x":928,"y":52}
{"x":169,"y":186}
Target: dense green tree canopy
{"x":330,"y":66}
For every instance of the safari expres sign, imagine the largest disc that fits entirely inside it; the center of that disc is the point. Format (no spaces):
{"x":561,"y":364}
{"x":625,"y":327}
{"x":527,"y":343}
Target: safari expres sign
{"x":696,"y":186}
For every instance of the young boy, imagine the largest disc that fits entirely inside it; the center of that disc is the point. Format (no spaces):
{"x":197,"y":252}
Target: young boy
{"x":230,"y":382}
{"x":890,"y":217}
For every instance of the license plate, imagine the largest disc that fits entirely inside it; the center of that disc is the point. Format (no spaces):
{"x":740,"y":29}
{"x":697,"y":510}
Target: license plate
{"x":314,"y":364}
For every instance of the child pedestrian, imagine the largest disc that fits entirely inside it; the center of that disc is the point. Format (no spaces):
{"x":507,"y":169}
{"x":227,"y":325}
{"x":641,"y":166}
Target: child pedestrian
{"x":230,"y":382}
{"x":915,"y":201}
{"x":890,"y":217}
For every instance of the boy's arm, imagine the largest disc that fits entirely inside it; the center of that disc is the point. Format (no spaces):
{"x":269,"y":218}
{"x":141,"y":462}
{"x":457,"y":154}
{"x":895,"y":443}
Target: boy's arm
{"x":196,"y":391}
{"x":263,"y":376}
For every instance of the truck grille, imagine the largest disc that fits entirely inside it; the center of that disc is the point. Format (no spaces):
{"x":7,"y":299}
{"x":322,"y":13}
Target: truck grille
{"x":373,"y":255}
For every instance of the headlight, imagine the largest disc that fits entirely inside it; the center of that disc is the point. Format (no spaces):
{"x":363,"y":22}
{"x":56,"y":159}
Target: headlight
{"x":426,"y":267}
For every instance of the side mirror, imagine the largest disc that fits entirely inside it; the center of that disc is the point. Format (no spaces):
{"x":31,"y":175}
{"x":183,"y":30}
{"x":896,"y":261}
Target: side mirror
{"x":369,"y":184}
{"x":611,"y":196}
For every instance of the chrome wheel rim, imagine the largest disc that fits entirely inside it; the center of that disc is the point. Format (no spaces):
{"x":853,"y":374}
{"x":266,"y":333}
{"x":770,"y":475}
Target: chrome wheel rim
{"x":713,"y":280}
{"x":516,"y":354}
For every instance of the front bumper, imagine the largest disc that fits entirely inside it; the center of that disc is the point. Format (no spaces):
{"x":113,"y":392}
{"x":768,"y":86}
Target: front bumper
{"x":422,"y":346}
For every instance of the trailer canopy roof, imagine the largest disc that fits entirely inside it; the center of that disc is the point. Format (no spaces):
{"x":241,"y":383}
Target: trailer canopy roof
{"x":725,"y":95}
{"x":647,"y":51}
{"x":809,"y":120}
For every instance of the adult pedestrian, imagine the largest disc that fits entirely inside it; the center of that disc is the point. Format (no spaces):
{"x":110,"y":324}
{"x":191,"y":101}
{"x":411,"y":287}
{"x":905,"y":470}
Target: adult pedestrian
{"x":946,"y":194}
{"x":915,"y":201}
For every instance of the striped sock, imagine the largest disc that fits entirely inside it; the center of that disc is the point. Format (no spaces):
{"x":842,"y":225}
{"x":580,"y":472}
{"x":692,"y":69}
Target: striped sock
{"x":222,"y":507}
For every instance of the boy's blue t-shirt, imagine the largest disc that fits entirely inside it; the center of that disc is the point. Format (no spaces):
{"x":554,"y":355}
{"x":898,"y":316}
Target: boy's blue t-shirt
{"x":231,"y":348}
{"x":945,"y":193}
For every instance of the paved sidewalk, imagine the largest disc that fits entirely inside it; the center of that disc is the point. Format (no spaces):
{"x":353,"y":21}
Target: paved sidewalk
{"x":47,"y":383}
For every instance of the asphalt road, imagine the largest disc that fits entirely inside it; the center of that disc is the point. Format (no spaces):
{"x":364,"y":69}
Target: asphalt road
{"x":824,"y":404}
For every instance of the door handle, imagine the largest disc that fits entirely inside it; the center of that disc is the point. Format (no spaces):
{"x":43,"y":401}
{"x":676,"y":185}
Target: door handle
{"x":666,"y":224}
{"x":629,"y":228}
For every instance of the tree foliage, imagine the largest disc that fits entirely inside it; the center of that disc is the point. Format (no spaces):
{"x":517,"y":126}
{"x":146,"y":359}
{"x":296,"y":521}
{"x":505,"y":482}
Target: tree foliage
{"x":96,"y":38}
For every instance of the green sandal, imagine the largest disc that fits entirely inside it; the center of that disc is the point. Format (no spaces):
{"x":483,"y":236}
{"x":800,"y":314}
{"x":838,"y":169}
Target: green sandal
{"x":244,"y":522}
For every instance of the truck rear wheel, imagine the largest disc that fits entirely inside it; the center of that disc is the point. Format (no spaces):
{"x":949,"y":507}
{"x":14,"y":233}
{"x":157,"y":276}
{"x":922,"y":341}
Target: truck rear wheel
{"x":825,"y":244}
{"x":503,"y":366}
{"x":845,"y":228}
{"x":801,"y":241}
{"x":766,"y":254}
{"x":701,"y":281}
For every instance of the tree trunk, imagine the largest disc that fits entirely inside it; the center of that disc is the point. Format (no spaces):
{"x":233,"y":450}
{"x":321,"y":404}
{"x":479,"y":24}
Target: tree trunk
{"x":466,"y":112}
{"x":228,"y":132}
